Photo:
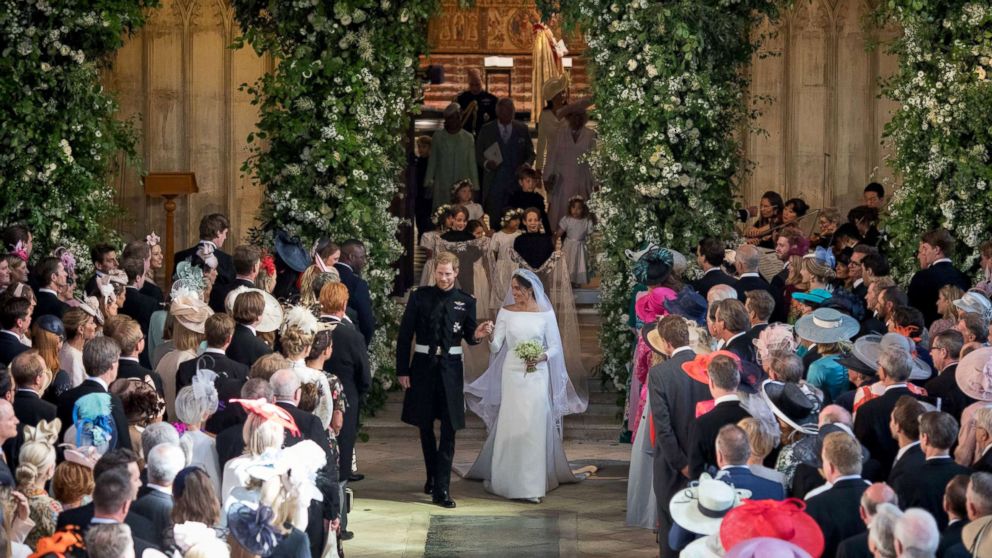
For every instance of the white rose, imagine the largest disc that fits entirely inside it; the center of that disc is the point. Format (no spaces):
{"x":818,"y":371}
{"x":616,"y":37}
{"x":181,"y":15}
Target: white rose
{"x":632,"y":65}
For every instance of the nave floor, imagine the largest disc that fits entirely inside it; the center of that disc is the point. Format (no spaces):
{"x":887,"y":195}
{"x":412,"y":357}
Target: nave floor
{"x":392,"y":516}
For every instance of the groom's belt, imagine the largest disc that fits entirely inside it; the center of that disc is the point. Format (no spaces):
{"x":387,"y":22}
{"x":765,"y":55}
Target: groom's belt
{"x":424,"y":349}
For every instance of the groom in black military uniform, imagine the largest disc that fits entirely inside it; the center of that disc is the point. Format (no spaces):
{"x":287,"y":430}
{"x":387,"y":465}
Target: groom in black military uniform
{"x":440,"y":317}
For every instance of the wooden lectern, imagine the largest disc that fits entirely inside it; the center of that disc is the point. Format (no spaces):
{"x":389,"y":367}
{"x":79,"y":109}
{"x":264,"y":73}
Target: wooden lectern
{"x":169,"y":185}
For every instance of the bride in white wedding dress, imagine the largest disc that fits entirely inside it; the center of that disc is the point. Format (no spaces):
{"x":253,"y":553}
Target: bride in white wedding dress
{"x":523,"y":457}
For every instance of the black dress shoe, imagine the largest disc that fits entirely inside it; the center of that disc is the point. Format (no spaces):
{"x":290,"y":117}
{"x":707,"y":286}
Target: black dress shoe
{"x":443,"y":500}
{"x":346,"y":535}
{"x":429,"y":486}
{"x":355,"y":477}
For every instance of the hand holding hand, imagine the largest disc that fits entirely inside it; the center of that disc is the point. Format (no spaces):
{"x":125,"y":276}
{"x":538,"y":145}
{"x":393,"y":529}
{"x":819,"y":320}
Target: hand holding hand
{"x":485,"y":329}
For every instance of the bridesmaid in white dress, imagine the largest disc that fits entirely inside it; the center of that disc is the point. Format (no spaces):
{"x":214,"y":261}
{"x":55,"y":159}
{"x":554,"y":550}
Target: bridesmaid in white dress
{"x":523,"y":457}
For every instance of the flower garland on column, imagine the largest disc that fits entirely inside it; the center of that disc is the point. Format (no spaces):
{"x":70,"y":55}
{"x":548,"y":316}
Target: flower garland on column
{"x":59,"y":135}
{"x":942,"y":133}
{"x":329,"y":149}
{"x":670,"y":85}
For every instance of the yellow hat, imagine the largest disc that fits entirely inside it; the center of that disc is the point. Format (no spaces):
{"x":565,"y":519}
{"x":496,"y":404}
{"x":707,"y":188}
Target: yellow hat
{"x":554,"y":86}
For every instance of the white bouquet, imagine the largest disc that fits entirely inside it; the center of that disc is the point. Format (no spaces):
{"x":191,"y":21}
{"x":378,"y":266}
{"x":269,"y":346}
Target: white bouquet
{"x":529,"y":351}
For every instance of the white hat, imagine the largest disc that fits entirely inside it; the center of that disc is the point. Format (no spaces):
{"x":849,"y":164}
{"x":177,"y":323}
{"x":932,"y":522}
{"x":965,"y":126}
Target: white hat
{"x":271,"y":315}
{"x":700,"y":508}
{"x":974,"y":302}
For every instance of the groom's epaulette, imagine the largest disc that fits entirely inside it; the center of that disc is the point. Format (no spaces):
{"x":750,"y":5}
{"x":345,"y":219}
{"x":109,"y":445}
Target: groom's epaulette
{"x":466,"y":293}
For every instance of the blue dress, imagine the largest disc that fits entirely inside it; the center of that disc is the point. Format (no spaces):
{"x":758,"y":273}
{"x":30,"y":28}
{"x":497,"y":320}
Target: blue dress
{"x":829,"y":376}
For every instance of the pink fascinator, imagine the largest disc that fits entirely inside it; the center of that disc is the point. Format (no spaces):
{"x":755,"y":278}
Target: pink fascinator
{"x":152,"y":239}
{"x":20,"y":250}
{"x":86,"y":456}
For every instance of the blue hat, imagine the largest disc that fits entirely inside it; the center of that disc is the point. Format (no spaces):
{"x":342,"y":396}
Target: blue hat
{"x":815,"y":297}
{"x":291,"y":252}
{"x":826,"y":325}
{"x":688,"y":304}
{"x":51,"y":324}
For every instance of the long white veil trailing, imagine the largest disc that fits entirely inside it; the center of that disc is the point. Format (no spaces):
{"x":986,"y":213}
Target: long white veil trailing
{"x":483,"y":396}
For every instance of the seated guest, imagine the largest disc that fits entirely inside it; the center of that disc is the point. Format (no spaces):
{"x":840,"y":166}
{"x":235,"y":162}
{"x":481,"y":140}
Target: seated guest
{"x":769,"y":217}
{"x":724,"y":378}
{"x":104,"y":258}
{"x":956,"y":507}
{"x":732,"y":454}
{"x":50,"y":278}
{"x":874,"y":196}
{"x":30,"y":375}
{"x":923,"y":486}
{"x":905,"y":428}
{"x":835,"y":509}
{"x":795,"y":208}
{"x":245,"y":345}
{"x":163,"y":464}
{"x":936,"y":270}
{"x":247,"y":261}
{"x":762,"y":441}
{"x":709,"y":256}
{"x":231,"y":375}
{"x":945,"y":349}
{"x":213,"y":233}
{"x":100,"y":357}
{"x":15,"y":319}
{"x":136,"y":304}
{"x":916,"y":534}
{"x":877,"y":494}
{"x":983,"y":439}
{"x":864,"y":219}
{"x":827,"y":328}
{"x":759,"y":305}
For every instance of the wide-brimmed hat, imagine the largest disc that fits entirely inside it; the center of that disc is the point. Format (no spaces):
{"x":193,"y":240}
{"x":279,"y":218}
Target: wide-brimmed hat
{"x":554,"y":86}
{"x":869,"y":347}
{"x":272,"y":314}
{"x":826,"y":325}
{"x":697,"y":367}
{"x":652,"y":305}
{"x":291,"y":252}
{"x":651,"y":337}
{"x":654,"y":266}
{"x":701,"y":507}
{"x":191,"y":312}
{"x":814,"y":298}
{"x":688,"y":304}
{"x":792,"y":404}
{"x":760,"y":528}
{"x":975,"y":302}
{"x":645,"y":247}
{"x":974,"y":374}
{"x":854,"y":361}
{"x":977,"y":536}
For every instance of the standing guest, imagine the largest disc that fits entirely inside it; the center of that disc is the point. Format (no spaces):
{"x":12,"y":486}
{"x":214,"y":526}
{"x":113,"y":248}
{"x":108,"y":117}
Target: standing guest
{"x":30,"y":374}
{"x":881,"y":529}
{"x":112,"y":500}
{"x":864,"y":220}
{"x":732,"y":454}
{"x":47,"y":336}
{"x":936,"y":270}
{"x":17,"y":269}
{"x":140,"y":250}
{"x":18,"y":240}
{"x":35,"y":467}
{"x":979,"y":505}
{"x":759,"y":306}
{"x":983,"y":440}
{"x":709,"y":256}
{"x":246,"y":347}
{"x":566,"y":172}
{"x":916,"y":534}
{"x":100,"y":357}
{"x":15,"y":319}
{"x":434,"y":378}
{"x":163,"y":463}
{"x":72,"y":481}
{"x":947,"y":308}
{"x":527,"y":197}
{"x":871,"y":424}
{"x":51,"y":279}
{"x":855,"y":271}
{"x":231,"y":440}
{"x":985,"y":262}
{"x":875,"y":302}
{"x":769,"y":216}
{"x":874,"y":196}
{"x":746,"y":261}
{"x":575,"y":228}
{"x":213,"y":232}
{"x":231,"y":375}
{"x":673,"y":397}
{"x":513,"y":142}
{"x":451,"y":161}
{"x":8,"y":431}
{"x":905,"y":428}
{"x":923,"y":486}
{"x":155,"y":262}
{"x":124,"y":465}
{"x":762,"y":439}
{"x":194,"y":405}
{"x":728,"y":323}
{"x":127,"y":332}
{"x":478,"y":106}
{"x":724,"y":379}
{"x":143,"y":406}
{"x":104,"y":258}
{"x":137,"y":305}
{"x":353,"y":260}
{"x":828,"y":329}
{"x":877,"y":494}
{"x":834,"y":509}
{"x":111,"y":540}
{"x":350,"y":363}
{"x":945,"y":349}
{"x":80,"y":327}
{"x":5,"y":272}
{"x":790,"y":246}
{"x":190,"y":313}
{"x":973,"y":328}
{"x":956,"y":506}
{"x":247,"y":261}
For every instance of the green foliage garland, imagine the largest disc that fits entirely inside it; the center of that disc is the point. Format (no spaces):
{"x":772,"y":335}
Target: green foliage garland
{"x":329,"y":150}
{"x":942,"y":134}
{"x":59,"y":139}
{"x":669,"y":83}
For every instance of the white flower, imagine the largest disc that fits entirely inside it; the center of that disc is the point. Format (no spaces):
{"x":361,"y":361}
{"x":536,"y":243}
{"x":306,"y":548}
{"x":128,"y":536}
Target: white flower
{"x":652,"y":71}
{"x":632,"y":65}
